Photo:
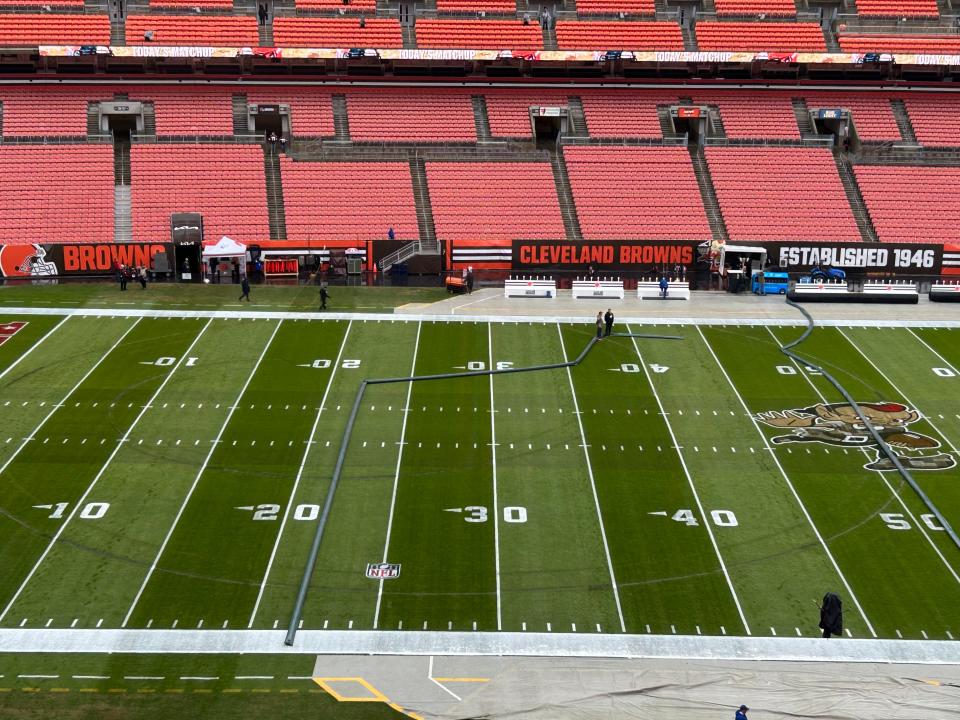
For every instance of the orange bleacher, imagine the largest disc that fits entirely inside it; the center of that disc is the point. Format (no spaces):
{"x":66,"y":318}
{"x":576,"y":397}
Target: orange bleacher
{"x":753,"y":116}
{"x":389,"y":115}
{"x":509,"y":111}
{"x":215,"y":30}
{"x":935,"y":119}
{"x":337,"y":32}
{"x":479,"y":34}
{"x":502,"y":7}
{"x":37,"y":4}
{"x":368,"y":6}
{"x":348,"y":203}
{"x":188,"y":5}
{"x":56,"y":193}
{"x":760,"y":37}
{"x":911,"y":204}
{"x":28,"y":29}
{"x":38,"y":110}
{"x":613,"y":7}
{"x":891,"y":43}
{"x":618,"y":35}
{"x":898,"y":8}
{"x":626,"y":114}
{"x":871,"y":112}
{"x":494,"y":202}
{"x":644,"y":193}
{"x":311,"y":110}
{"x":223,"y":182}
{"x":781,"y":193}
{"x":754,"y":8}
{"x":189,"y":110}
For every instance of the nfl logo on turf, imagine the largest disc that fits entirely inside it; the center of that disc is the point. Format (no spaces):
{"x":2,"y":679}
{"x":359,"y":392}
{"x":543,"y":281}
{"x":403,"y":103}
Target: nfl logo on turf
{"x":383,"y":571}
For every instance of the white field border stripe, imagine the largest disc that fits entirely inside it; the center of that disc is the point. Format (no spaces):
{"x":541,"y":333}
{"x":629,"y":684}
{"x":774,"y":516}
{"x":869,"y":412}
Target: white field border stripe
{"x":890,"y":487}
{"x":103,"y":468}
{"x":396,"y":474}
{"x":296,"y":482}
{"x":693,"y":488}
{"x":33,"y":347}
{"x":493,"y":468}
{"x":66,"y":397}
{"x":786,"y":479}
{"x":196,"y":479}
{"x":593,"y":486}
{"x":935,"y":428}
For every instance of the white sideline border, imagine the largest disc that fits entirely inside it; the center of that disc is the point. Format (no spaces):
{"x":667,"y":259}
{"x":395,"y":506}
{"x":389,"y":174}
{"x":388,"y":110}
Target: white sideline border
{"x":425,"y":317}
{"x":420,"y":643}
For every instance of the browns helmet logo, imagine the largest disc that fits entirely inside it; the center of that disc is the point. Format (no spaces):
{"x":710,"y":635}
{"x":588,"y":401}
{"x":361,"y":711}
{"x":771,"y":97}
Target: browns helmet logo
{"x":25,"y":261}
{"x":838,"y":424}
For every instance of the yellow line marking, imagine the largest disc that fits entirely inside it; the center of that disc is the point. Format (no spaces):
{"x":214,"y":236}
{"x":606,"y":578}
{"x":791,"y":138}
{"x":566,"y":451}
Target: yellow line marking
{"x":464,"y":679}
{"x":90,"y":690}
{"x":117,"y":690}
{"x":261,"y":690}
{"x":146,"y":690}
{"x":231,"y":690}
{"x":375,"y":695}
{"x":31,"y":689}
{"x":59,"y":690}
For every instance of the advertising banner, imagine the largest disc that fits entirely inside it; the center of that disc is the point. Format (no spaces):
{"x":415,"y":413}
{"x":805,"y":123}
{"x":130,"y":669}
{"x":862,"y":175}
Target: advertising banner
{"x":52,"y":260}
{"x":859,"y":258}
{"x":545,"y":255}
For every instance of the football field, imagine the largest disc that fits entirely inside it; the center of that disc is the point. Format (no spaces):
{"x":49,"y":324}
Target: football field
{"x":161,"y":472}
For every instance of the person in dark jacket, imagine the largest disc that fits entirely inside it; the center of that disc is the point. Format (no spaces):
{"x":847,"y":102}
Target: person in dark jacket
{"x":608,"y":322}
{"x":123,"y":277}
{"x":831,"y":615}
{"x":599,"y":326}
{"x":245,"y":287}
{"x":324,"y":296}
{"x":664,"y":285}
{"x":741,"y":713}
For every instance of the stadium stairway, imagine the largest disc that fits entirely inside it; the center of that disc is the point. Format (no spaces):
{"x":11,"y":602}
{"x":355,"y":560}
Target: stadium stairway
{"x":275,"y":209}
{"x":122,"y":213}
{"x":568,"y":208}
{"x":708,"y":194}
{"x":689,"y":33}
{"x":860,"y":213}
{"x":481,"y":118}
{"x":265,"y":32}
{"x":149,"y":119}
{"x":577,"y":117}
{"x":549,"y":36}
{"x":341,"y":121}
{"x":830,"y":37}
{"x":240,"y":124}
{"x":716,"y":119}
{"x":903,"y":121}
{"x":802,"y":112}
{"x":666,"y":123}
{"x":421,"y":196}
{"x":93,"y":120}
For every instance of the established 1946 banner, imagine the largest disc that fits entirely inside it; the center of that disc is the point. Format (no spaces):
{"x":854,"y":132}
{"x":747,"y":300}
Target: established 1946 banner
{"x":544,"y":255}
{"x":892,"y":258}
{"x":55,"y":259}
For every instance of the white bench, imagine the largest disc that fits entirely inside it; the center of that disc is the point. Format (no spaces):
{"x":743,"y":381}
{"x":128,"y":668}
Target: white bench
{"x":530,"y":288}
{"x":944,"y":292}
{"x":820,"y":288}
{"x":598,"y":289}
{"x":650,"y":290}
{"x":890,"y":288}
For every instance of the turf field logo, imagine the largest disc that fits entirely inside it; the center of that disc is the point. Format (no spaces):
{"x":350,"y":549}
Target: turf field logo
{"x":837,"y":424}
{"x":25,"y":261}
{"x":383,"y":571}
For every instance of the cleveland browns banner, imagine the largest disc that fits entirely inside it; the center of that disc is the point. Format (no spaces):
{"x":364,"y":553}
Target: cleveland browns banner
{"x":58,"y":259}
{"x":544,"y":255}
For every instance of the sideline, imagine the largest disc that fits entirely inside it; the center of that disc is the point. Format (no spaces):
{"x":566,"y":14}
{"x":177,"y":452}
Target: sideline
{"x":583,"y":319}
{"x":416,"y":642}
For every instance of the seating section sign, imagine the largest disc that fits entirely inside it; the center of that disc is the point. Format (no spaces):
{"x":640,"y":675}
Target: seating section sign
{"x":39,"y":260}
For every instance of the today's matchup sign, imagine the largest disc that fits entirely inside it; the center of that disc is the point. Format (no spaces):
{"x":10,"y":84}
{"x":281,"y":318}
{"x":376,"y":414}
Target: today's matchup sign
{"x":542,"y":255}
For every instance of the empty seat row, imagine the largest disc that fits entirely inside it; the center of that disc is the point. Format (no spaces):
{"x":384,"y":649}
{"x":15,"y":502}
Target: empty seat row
{"x":935,"y":119}
{"x":368,"y":6}
{"x":613,"y":7}
{"x":768,"y":8}
{"x":902,"y":43}
{"x":760,"y":37}
{"x":388,"y":115}
{"x":627,"y":35}
{"x":898,"y":8}
{"x":478,"y":34}
{"x":215,"y":30}
{"x":28,"y":29}
{"x":503,"y":7}
{"x":911,"y":204}
{"x":337,"y":32}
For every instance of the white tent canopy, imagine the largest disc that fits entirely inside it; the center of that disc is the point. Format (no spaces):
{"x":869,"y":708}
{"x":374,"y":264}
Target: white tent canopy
{"x":225,"y":247}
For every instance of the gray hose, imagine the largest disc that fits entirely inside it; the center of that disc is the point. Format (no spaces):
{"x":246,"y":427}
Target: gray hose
{"x":881,"y":443}
{"x":348,"y":432}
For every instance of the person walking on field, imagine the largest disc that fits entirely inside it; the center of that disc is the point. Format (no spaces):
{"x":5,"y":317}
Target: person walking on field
{"x":142,"y":277}
{"x":324,"y":296}
{"x":245,"y":287}
{"x":608,"y":322}
{"x":600,"y":326}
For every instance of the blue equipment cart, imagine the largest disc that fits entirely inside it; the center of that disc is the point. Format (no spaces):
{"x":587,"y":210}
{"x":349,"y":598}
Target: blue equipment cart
{"x":774,"y":283}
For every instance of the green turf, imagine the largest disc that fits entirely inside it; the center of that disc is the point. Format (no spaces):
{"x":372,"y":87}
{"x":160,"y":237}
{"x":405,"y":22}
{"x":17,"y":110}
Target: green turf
{"x":187,"y":296}
{"x":682,"y":514}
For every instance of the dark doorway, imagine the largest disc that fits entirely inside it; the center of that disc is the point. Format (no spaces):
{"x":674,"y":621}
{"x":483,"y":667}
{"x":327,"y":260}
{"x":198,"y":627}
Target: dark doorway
{"x":547,"y":129}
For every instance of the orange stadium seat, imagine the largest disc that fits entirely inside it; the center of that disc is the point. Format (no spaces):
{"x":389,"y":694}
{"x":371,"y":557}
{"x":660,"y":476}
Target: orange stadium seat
{"x":338,"y":32}
{"x":40,"y":3}
{"x":509,"y":111}
{"x":624,"y":114}
{"x":215,"y":30}
{"x":57,"y":193}
{"x":892,"y":43}
{"x":909,"y":204}
{"x":871,"y":112}
{"x":618,"y":35}
{"x":645,"y":193}
{"x":225,"y":183}
{"x":27,"y":29}
{"x":613,"y":7}
{"x":187,"y":5}
{"x":753,"y":116}
{"x":35,"y":111}
{"x":743,"y":8}
{"x":898,"y":8}
{"x":781,"y":193}
{"x":311,"y":111}
{"x":189,"y":110}
{"x":503,"y":7}
{"x":389,"y":115}
{"x":494,"y":201}
{"x":935,"y":119}
{"x":369,"y":6}
{"x":760,"y":37}
{"x":348,"y":202}
{"x":479,"y":34}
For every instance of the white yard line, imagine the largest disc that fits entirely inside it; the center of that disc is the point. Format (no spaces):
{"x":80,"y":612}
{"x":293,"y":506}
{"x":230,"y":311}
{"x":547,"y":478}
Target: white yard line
{"x":103,"y":468}
{"x":296,"y":482}
{"x":903,"y":396}
{"x":593,"y":486}
{"x":793,"y":490}
{"x":396,"y":474}
{"x":33,"y":347}
{"x":473,"y":302}
{"x":57,"y":406}
{"x":439,"y":684}
{"x":493,"y":467}
{"x":693,"y":487}
{"x":923,"y":342}
{"x":196,"y":479}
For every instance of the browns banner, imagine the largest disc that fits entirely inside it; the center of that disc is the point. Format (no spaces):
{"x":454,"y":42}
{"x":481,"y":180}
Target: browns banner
{"x":52,"y":260}
{"x":544,"y":255}
{"x":859,"y":258}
